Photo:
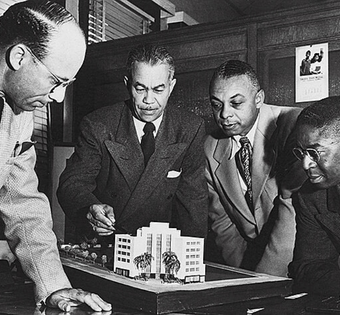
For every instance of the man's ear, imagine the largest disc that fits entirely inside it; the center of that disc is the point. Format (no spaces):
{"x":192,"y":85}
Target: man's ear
{"x":172,"y":84}
{"x":16,"y":56}
{"x":259,"y":98}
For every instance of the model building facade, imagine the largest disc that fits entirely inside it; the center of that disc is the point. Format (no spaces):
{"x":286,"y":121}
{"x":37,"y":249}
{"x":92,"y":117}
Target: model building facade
{"x":159,"y":251}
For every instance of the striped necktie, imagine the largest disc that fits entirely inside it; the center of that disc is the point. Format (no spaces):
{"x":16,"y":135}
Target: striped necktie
{"x":245,"y":155}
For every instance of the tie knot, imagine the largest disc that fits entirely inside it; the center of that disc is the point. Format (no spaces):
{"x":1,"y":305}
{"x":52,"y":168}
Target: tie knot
{"x":149,"y":127}
{"x":244,"y":141}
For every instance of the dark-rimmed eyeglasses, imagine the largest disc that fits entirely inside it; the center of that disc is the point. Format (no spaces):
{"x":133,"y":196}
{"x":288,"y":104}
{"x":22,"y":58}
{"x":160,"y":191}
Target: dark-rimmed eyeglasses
{"x":59,"y":81}
{"x":313,"y":154}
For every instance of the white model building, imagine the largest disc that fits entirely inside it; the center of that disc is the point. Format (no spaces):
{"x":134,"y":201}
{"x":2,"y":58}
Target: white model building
{"x":153,"y":244}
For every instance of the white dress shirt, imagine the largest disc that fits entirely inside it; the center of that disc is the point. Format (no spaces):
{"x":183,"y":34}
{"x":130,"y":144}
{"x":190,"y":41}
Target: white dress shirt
{"x":139,"y":125}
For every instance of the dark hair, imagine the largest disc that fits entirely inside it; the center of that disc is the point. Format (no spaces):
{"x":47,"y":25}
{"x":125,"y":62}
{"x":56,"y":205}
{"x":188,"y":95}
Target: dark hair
{"x":323,"y":115}
{"x":232,"y":68}
{"x":32,"y":23}
{"x":314,"y":57}
{"x":151,"y":54}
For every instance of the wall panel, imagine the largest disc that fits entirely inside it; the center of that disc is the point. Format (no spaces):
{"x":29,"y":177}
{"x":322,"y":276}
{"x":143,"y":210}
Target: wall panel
{"x":267,"y":42}
{"x":100,"y":81}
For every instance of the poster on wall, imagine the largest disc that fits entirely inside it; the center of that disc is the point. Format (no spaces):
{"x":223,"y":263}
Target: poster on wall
{"x":311,"y":72}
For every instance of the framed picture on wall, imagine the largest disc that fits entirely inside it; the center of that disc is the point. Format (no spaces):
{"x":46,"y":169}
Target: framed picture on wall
{"x":311,"y":72}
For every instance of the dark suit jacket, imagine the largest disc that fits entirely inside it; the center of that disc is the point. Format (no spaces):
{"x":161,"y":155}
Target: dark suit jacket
{"x":315,"y":265}
{"x":107,"y":167}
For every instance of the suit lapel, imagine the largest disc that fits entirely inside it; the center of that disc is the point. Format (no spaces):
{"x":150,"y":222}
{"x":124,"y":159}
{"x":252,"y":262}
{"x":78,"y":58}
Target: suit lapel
{"x":263,"y":158}
{"x":125,"y":149}
{"x":167,"y":151}
{"x":228,"y":177}
{"x":263,"y":152}
{"x":330,"y":217}
{"x":8,"y":138}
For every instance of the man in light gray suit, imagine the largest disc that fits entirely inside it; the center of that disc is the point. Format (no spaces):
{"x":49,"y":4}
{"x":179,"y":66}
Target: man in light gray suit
{"x":251,"y":172}
{"x":35,"y":70}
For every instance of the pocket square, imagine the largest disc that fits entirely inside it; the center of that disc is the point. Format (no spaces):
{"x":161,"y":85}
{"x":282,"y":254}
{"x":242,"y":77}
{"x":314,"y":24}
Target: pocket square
{"x":174,"y":174}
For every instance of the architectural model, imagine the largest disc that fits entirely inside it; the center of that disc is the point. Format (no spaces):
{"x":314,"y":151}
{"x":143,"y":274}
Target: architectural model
{"x":159,"y":252}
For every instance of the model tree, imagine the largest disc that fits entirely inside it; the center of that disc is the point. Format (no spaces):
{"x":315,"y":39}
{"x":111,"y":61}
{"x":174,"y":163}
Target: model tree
{"x":172,"y":265}
{"x":142,"y":262}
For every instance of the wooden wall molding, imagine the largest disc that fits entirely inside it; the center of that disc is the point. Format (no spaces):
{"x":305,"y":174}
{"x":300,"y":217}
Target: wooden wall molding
{"x":322,"y":29}
{"x":267,"y":42}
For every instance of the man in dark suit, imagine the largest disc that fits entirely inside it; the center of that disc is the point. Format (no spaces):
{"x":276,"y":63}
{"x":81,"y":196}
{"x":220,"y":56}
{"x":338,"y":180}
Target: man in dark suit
{"x":110,"y":186}
{"x":251,"y":212}
{"x":315,"y":266}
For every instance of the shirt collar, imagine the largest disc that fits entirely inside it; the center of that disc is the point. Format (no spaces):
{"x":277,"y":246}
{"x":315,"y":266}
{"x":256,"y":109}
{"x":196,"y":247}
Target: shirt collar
{"x":236,"y":139}
{"x":139,"y":125}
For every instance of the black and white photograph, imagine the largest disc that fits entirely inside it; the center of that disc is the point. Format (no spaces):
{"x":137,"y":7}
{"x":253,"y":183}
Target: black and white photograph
{"x":169,"y":157}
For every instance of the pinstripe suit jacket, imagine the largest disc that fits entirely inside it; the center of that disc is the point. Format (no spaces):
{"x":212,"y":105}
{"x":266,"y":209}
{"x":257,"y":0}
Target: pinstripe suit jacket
{"x":25,"y":211}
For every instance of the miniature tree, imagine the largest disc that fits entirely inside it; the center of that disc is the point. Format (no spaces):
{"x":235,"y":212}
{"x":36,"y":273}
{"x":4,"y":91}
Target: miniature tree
{"x":74,"y":251}
{"x":172,"y":265}
{"x":93,"y":257}
{"x":104,"y":260}
{"x":84,"y":245}
{"x":66,"y":248}
{"x":83,"y":254}
{"x":142,"y":262}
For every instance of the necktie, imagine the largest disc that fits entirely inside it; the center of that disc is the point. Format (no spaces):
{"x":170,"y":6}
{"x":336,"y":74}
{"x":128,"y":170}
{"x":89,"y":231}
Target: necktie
{"x":148,"y":141}
{"x":1,"y":106}
{"x":245,"y":155}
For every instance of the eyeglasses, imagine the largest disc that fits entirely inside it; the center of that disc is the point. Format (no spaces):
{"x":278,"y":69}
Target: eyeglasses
{"x":59,"y":81}
{"x":313,"y":154}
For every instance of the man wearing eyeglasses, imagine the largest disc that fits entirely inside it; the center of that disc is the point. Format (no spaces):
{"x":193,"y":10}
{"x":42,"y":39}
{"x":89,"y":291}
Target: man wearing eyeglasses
{"x":315,"y":265}
{"x":41,"y":50}
{"x":250,"y":173}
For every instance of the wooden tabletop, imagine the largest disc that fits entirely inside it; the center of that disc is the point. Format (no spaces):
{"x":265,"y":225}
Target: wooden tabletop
{"x":19,"y":301}
{"x":17,"y":298}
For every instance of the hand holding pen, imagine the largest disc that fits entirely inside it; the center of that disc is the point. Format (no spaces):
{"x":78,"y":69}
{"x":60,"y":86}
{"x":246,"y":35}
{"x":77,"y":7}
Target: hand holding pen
{"x":102,"y":219}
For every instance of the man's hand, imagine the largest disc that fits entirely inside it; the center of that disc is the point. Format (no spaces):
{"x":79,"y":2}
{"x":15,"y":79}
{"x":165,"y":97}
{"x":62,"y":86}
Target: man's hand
{"x":65,"y":298}
{"x":102,"y":219}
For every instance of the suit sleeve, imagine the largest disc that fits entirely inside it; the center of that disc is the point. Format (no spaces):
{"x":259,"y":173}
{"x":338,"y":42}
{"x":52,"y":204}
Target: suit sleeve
{"x":28,"y":223}
{"x":290,"y":176}
{"x":228,"y":238}
{"x":315,"y":265}
{"x":192,"y":194}
{"x":279,"y":250}
{"x":78,"y":181}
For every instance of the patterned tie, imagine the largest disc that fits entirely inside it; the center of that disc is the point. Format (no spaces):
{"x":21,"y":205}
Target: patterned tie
{"x":1,"y":106}
{"x":148,"y":141}
{"x":245,"y":155}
